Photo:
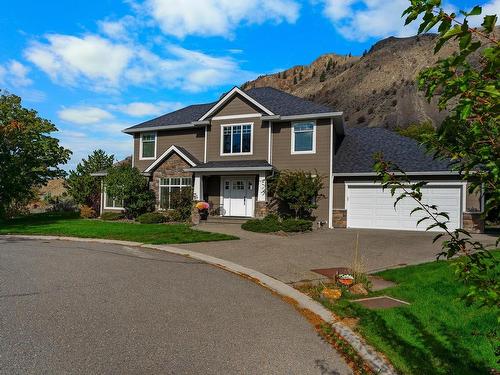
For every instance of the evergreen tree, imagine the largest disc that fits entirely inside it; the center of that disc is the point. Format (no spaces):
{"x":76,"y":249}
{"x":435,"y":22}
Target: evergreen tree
{"x":322,"y":77}
{"x":83,"y":187}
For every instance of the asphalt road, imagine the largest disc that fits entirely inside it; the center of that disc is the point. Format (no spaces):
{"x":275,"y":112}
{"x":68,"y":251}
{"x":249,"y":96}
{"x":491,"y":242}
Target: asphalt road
{"x":70,"y":307}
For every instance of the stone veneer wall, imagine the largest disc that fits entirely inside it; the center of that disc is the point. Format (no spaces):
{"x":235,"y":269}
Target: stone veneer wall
{"x":339,"y":218}
{"x":473,"y":222}
{"x":261,"y":209}
{"x":172,"y":167}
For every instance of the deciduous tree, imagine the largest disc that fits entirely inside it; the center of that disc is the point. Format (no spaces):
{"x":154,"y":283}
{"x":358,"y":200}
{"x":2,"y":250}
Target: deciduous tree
{"x":29,"y":155}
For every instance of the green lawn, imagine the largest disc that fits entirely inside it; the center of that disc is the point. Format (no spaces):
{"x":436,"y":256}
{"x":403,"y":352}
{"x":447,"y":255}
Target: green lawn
{"x":69,"y":224}
{"x":437,"y":333}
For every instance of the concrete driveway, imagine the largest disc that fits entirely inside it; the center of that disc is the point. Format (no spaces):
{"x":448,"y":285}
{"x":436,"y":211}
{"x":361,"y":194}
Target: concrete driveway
{"x":89,"y":308}
{"x":291,"y":258}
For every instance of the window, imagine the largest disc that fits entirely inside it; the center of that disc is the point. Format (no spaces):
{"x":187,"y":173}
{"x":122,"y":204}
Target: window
{"x":170,"y":185}
{"x":148,"y":146}
{"x":237,"y":139}
{"x":110,"y":202}
{"x":304,"y":138}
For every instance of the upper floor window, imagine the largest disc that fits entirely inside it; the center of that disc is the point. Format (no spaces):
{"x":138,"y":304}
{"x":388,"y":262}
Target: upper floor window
{"x":236,"y":139}
{"x":304,"y":138}
{"x":148,"y":146}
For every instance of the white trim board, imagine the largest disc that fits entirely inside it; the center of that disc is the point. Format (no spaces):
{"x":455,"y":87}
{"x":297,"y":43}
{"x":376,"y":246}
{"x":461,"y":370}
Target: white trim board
{"x":221,"y":153}
{"x":140,"y":145}
{"x":228,"y":96}
{"x":170,"y":150}
{"x":292,"y":138}
{"x":235,"y":117}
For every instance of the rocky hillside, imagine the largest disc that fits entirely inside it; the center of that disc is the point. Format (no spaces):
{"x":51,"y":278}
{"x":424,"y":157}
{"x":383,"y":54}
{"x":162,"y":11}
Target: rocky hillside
{"x":377,"y":89}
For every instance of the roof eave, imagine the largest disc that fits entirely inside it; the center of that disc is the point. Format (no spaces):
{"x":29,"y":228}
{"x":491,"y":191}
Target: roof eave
{"x":423,"y":173}
{"x":305,"y":116}
{"x":191,"y":125}
{"x":229,"y":169}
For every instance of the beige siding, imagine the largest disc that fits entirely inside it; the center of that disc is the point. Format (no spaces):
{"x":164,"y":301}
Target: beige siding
{"x":192,"y":140}
{"x":260,"y":140}
{"x":473,"y":201}
{"x":282,"y":157}
{"x":339,"y":195}
{"x":237,"y":106}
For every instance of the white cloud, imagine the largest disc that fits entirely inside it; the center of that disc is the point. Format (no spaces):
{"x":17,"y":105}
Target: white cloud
{"x":360,"y":20}
{"x":119,"y":29}
{"x":84,"y":115}
{"x":82,"y":143}
{"x":218,"y":17}
{"x":105,"y":65}
{"x":14,"y":74}
{"x":141,"y":109}
{"x":490,"y":8}
{"x":363,"y":19}
{"x":67,"y":58}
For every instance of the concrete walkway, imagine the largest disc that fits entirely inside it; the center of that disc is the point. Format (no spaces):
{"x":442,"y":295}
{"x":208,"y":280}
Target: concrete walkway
{"x":291,"y":258}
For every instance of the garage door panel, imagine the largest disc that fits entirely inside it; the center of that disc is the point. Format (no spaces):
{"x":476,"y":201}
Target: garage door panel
{"x":371,"y":207}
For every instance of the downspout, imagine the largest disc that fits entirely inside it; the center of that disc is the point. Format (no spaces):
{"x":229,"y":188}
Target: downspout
{"x":330,"y":179}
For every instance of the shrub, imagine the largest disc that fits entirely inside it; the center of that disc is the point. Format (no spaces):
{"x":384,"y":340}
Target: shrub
{"x":63,"y":203}
{"x":273,"y":223}
{"x":270,"y":223}
{"x":87,"y":212}
{"x":112,"y":216}
{"x":182,"y":203}
{"x":299,"y":190}
{"x":126,"y":184}
{"x":151,"y":218}
{"x":296,"y":225}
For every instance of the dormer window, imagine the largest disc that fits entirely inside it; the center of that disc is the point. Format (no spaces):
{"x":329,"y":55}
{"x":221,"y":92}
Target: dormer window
{"x":236,"y":139}
{"x":148,"y":146}
{"x":304,"y":138}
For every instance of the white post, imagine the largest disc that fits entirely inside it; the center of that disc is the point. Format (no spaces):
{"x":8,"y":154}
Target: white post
{"x":262,"y":192}
{"x":198,"y":188}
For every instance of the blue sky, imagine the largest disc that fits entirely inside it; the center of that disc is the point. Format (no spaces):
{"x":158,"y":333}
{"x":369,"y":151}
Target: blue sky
{"x":95,"y":67}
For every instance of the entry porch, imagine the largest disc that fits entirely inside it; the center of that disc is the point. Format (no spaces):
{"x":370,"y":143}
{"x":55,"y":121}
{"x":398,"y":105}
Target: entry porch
{"x":233,"y":188}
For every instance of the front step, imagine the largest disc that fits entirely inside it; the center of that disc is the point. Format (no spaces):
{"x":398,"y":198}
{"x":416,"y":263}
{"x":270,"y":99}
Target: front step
{"x":225,"y":220}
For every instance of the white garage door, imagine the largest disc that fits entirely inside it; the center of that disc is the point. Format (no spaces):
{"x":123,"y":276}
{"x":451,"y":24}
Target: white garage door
{"x":368,"y":206}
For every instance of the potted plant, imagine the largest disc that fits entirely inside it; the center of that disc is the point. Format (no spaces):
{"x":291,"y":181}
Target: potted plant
{"x":203,"y":210}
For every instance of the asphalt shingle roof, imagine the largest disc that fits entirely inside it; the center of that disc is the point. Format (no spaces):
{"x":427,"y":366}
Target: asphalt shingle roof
{"x":234,"y":164}
{"x":279,"y":102}
{"x":355,"y":154}
{"x":284,"y":104}
{"x":181,"y":116}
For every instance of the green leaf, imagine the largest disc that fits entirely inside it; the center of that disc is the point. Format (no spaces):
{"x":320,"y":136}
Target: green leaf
{"x":489,"y":23}
{"x":475,"y":11}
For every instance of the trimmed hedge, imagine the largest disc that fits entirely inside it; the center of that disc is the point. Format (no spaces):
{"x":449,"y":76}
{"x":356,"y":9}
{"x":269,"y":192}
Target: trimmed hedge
{"x":296,"y":225}
{"x":273,"y":223}
{"x":112,"y":216}
{"x":151,"y":218}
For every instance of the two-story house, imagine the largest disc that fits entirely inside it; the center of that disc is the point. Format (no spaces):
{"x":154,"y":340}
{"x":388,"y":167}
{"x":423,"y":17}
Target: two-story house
{"x":226,"y":151}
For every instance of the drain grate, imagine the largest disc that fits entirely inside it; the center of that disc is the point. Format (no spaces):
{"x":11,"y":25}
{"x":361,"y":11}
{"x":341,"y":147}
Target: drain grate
{"x":381,"y":302}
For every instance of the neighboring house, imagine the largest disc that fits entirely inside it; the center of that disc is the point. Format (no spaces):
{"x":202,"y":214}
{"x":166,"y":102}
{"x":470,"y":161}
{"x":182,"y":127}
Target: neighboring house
{"x":227,"y":150}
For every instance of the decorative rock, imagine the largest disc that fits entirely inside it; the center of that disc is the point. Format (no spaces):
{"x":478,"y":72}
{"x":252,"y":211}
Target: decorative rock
{"x":331,"y":293}
{"x":358,"y":289}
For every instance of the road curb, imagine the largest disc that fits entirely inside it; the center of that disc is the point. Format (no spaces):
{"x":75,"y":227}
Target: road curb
{"x":377,"y":363}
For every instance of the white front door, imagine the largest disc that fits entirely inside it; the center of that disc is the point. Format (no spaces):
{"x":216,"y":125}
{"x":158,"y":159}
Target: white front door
{"x":238,"y":196}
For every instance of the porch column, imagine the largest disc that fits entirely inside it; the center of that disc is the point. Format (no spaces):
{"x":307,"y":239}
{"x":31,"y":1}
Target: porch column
{"x":198,"y":188}
{"x":262,"y":188}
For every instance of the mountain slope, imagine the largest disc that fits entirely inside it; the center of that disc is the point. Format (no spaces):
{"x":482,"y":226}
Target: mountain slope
{"x":377,"y":89}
